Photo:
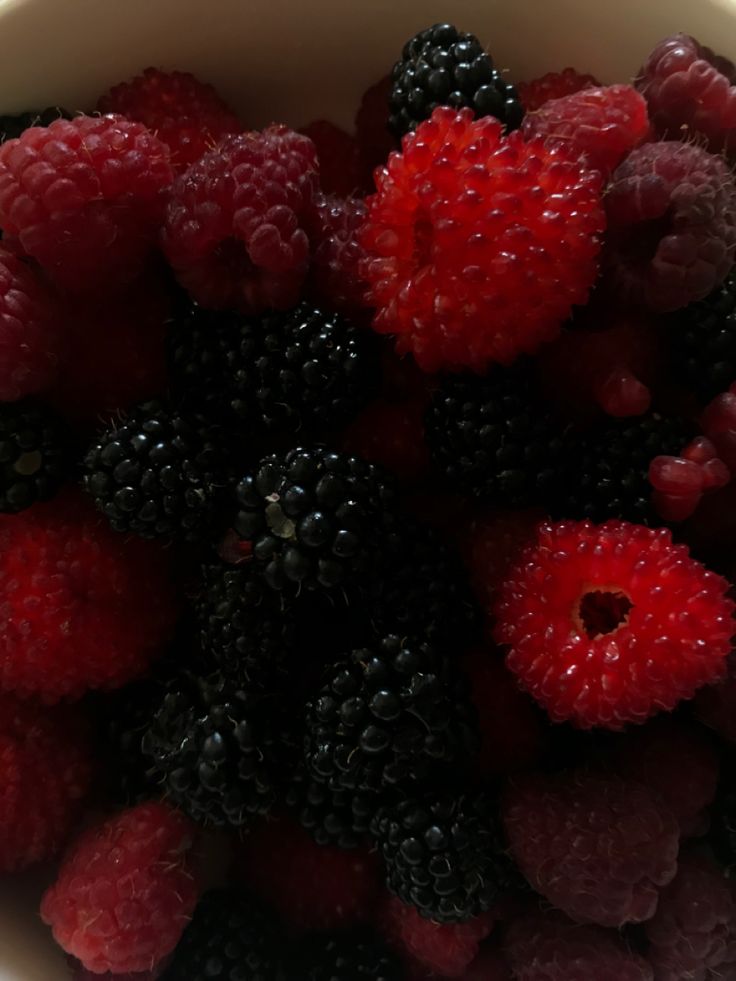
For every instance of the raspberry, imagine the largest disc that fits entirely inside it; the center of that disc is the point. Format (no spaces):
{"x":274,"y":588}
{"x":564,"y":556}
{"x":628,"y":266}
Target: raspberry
{"x":448,"y":253}
{"x":82,"y":607}
{"x":311,"y":886}
{"x":125,"y":890}
{"x":594,"y":638}
{"x":234,"y":231}
{"x":80,"y":973}
{"x":371,"y":124}
{"x":341,"y":168}
{"x":335,"y":279}
{"x":553,"y":85}
{"x":45,"y":773}
{"x":596,"y":846}
{"x":390,"y":434}
{"x":96,"y":181}
{"x":489,"y":965}
{"x":715,"y":705}
{"x":490,"y":543}
{"x":671,"y":211}
{"x":602,"y":125}
{"x":693,"y":932}
{"x":691,"y":92}
{"x":184,"y":113}
{"x":550,"y":947}
{"x":34,"y":450}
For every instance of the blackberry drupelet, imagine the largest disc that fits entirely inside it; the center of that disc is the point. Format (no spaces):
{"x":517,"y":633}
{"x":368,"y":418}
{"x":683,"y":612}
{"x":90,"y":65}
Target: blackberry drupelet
{"x":159,"y":474}
{"x":443,"y":66}
{"x":33,"y":454}
{"x":445,"y":854}
{"x":124,"y":716}
{"x":390,"y":716}
{"x":230,"y":938}
{"x":301,"y":370}
{"x":356,"y":955}
{"x":492,"y":437}
{"x":314,"y":517}
{"x":702,"y":342}
{"x":333,"y":816}
{"x":12,"y":126}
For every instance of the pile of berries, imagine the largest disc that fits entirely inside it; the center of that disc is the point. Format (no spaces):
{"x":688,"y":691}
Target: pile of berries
{"x":366,"y":527}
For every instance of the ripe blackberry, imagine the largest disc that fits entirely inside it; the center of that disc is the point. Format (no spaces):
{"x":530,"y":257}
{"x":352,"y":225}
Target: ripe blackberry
{"x":122,"y":720}
{"x":300,"y":370}
{"x":230,"y":938}
{"x":387,"y":716}
{"x":702,"y":341}
{"x":493,"y":438}
{"x":33,"y":454}
{"x":350,"y":956}
{"x":313,"y":516}
{"x":12,"y":126}
{"x":333,"y":816}
{"x":445,"y":854}
{"x":158,"y":474}
{"x":442,"y":66}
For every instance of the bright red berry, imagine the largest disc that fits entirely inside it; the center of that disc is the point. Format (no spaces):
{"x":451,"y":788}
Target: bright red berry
{"x":490,"y":543}
{"x":553,"y":85}
{"x":334,"y":273}
{"x":342,"y":170}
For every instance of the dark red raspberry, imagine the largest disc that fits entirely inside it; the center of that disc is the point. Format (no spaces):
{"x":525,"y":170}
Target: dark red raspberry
{"x":550,"y":947}
{"x":125,"y":890}
{"x":601,"y":125}
{"x":80,"y":973}
{"x":715,"y":705}
{"x":553,"y":85}
{"x":490,"y":543}
{"x":595,"y":638}
{"x":29,"y":344}
{"x":45,"y":773}
{"x":691,"y":92}
{"x":184,"y":113}
{"x":489,"y":965}
{"x":82,"y":606}
{"x":94,"y":181}
{"x":478,"y":244}
{"x":596,"y":846}
{"x":671,"y":211}
{"x":342,"y":170}
{"x":234,"y":231}
{"x":371,"y":124}
{"x":693,"y":932}
{"x":390,"y":434}
{"x":334,"y":275}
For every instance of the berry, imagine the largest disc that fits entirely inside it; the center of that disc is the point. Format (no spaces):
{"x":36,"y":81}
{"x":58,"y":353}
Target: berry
{"x":602,"y":124}
{"x":447,"y":254}
{"x":553,"y":85}
{"x":184,"y":113}
{"x":45,"y":773}
{"x":492,"y":437}
{"x":312,"y":516}
{"x":96,"y":181}
{"x":333,"y":816}
{"x":444,"y":66}
{"x":596,"y":846}
{"x":342,"y":170}
{"x":722,"y":836}
{"x":80,"y":973}
{"x":390,"y":434}
{"x":691,"y":92}
{"x":82,"y":607}
{"x":11,"y":127}
{"x":33,"y":455}
{"x":348,"y":956}
{"x":445,"y":854}
{"x":371,"y":124}
{"x":593,"y":636}
{"x":715,"y":704}
{"x":234,"y":231}
{"x":230,"y":937}
{"x":671,"y":211}
{"x":335,"y":280}
{"x":489,"y":965}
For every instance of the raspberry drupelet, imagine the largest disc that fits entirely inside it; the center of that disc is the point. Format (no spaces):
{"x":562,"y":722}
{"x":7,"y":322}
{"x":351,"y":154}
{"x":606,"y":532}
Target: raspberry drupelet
{"x":553,"y":85}
{"x":335,"y":280}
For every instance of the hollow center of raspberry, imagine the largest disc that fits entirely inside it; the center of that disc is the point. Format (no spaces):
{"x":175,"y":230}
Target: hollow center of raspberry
{"x":602,"y":611}
{"x":423,"y":240}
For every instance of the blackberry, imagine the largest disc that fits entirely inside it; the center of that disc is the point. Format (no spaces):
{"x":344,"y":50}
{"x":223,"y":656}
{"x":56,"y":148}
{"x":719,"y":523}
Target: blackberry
{"x":313,"y":516}
{"x":296,"y":371}
{"x":230,"y":938}
{"x":395,"y":714}
{"x":12,"y":126}
{"x":158,"y":474}
{"x":34,"y":454}
{"x":332,"y":816}
{"x":702,"y":342}
{"x":442,"y":66}
{"x":123,"y":718}
{"x":493,"y":438}
{"x":356,"y":955}
{"x":445,"y":854}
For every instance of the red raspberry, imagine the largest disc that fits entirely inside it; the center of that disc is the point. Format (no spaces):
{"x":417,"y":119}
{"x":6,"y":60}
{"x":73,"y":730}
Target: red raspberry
{"x":125,"y":891}
{"x":602,"y":125}
{"x":490,"y":543}
{"x":82,"y":606}
{"x":335,"y":278}
{"x":311,"y":886}
{"x":595,"y":637}
{"x":234,"y":231}
{"x":28,"y":344}
{"x":693,"y":933}
{"x":715,"y":705}
{"x":342,"y":170}
{"x":553,"y":85}
{"x":489,"y":965}
{"x":45,"y":772}
{"x":478,"y":244}
{"x":184,"y":113}
{"x":371,"y":124}
{"x":392,"y":435}
{"x":94,"y":181}
{"x":80,"y":973}
{"x":671,"y":211}
{"x":691,"y":92}
{"x":596,"y":846}
{"x":550,"y":947}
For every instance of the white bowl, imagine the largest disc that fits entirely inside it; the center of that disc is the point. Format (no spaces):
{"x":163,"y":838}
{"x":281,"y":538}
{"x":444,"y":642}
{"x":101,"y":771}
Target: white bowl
{"x":294,"y":61}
